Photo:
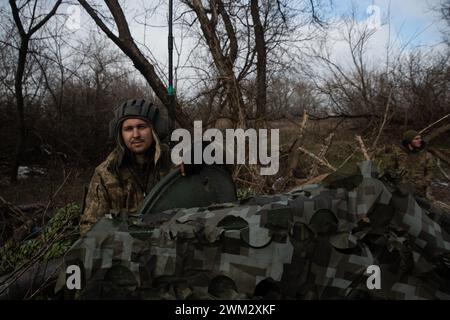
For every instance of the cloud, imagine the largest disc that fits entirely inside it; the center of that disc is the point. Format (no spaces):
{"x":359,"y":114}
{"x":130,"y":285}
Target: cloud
{"x":375,"y":48}
{"x":415,"y":21}
{"x":409,"y":25}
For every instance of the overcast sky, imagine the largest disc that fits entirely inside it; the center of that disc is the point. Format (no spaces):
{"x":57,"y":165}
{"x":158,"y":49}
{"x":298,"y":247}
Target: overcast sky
{"x":411,"y":22}
{"x":402,"y":22}
{"x":410,"y":18}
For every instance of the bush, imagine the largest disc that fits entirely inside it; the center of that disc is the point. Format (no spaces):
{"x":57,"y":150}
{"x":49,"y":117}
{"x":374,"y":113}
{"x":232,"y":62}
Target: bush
{"x":56,"y":238}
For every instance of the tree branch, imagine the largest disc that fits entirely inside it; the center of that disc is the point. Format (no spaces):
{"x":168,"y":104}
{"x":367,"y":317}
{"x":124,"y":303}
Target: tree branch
{"x":15,"y":12}
{"x":119,"y":19}
{"x":98,"y":21}
{"x":46,"y":18}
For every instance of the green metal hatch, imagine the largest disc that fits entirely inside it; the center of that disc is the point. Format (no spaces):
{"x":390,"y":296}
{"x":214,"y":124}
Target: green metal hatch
{"x":211,"y":184}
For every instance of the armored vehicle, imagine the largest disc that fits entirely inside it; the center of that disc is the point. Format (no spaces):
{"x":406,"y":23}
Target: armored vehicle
{"x":356,"y":235}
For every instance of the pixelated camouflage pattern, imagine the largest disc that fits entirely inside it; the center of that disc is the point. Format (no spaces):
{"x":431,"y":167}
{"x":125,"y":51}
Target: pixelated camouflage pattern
{"x":312,"y":243}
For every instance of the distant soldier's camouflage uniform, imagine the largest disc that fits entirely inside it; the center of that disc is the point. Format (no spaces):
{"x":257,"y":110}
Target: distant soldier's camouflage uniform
{"x":307,"y":244}
{"x":416,"y":167}
{"x":119,"y":186}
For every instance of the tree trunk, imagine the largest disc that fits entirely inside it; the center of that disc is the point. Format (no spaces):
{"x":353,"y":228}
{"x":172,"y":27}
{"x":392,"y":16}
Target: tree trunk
{"x":18,"y":87}
{"x":126,"y":43}
{"x":25,"y":37}
{"x":261,"y":62}
{"x":224,"y":64}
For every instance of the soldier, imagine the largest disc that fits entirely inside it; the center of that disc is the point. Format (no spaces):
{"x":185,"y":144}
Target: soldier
{"x":138,"y":161}
{"x":417,"y":163}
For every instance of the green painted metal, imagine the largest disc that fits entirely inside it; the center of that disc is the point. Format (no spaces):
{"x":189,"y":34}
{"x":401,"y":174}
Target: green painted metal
{"x":210,"y":185}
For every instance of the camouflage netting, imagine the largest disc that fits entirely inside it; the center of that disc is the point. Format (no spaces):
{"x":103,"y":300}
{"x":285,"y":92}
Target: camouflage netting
{"x":313,"y":243}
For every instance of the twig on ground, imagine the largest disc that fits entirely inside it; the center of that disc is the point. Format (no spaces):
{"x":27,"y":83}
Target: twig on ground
{"x":363,"y":147}
{"x":438,"y":162}
{"x":346,"y":160}
{"x":323,"y":151}
{"x":304,"y":120}
{"x":321,"y":161}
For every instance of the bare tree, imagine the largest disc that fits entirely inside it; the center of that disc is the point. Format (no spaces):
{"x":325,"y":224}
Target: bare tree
{"x":443,"y":9}
{"x":26,"y":33}
{"x":349,"y":89}
{"x":422,"y":80}
{"x":125,"y":42}
{"x":261,"y":62}
{"x":248,"y":42}
{"x":224,"y":61}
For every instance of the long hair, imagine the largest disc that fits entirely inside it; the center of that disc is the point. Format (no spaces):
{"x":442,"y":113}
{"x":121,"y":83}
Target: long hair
{"x":122,"y":155}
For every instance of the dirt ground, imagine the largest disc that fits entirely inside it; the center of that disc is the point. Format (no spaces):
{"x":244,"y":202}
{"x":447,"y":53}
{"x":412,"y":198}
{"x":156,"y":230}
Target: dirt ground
{"x":59,"y":186}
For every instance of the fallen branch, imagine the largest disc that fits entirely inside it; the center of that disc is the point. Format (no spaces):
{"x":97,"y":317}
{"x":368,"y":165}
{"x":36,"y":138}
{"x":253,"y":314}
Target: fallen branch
{"x":346,"y":160}
{"x":304,"y":120}
{"x":442,"y":205}
{"x":437,"y":132}
{"x":302,"y":125}
{"x":301,"y":131}
{"x":426,"y":128}
{"x":363,"y":147}
{"x":322,"y":153}
{"x":439,"y":155}
{"x":438,"y":162}
{"x":314,"y":180}
{"x":324,"y":162}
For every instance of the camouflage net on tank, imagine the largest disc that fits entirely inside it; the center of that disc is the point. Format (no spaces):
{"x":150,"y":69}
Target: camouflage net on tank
{"x":313,"y":243}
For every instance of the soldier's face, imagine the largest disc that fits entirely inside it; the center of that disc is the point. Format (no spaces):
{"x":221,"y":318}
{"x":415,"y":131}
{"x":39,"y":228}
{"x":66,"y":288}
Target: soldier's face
{"x":137,"y":135}
{"x":416,"y":142}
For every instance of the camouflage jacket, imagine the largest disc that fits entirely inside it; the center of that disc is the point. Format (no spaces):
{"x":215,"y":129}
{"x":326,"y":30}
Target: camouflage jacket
{"x":307,"y":244}
{"x":112,"y":194}
{"x":417,"y":170}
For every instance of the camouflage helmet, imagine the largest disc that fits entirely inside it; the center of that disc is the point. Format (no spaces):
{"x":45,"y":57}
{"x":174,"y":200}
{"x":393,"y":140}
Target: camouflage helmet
{"x":138,"y":108}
